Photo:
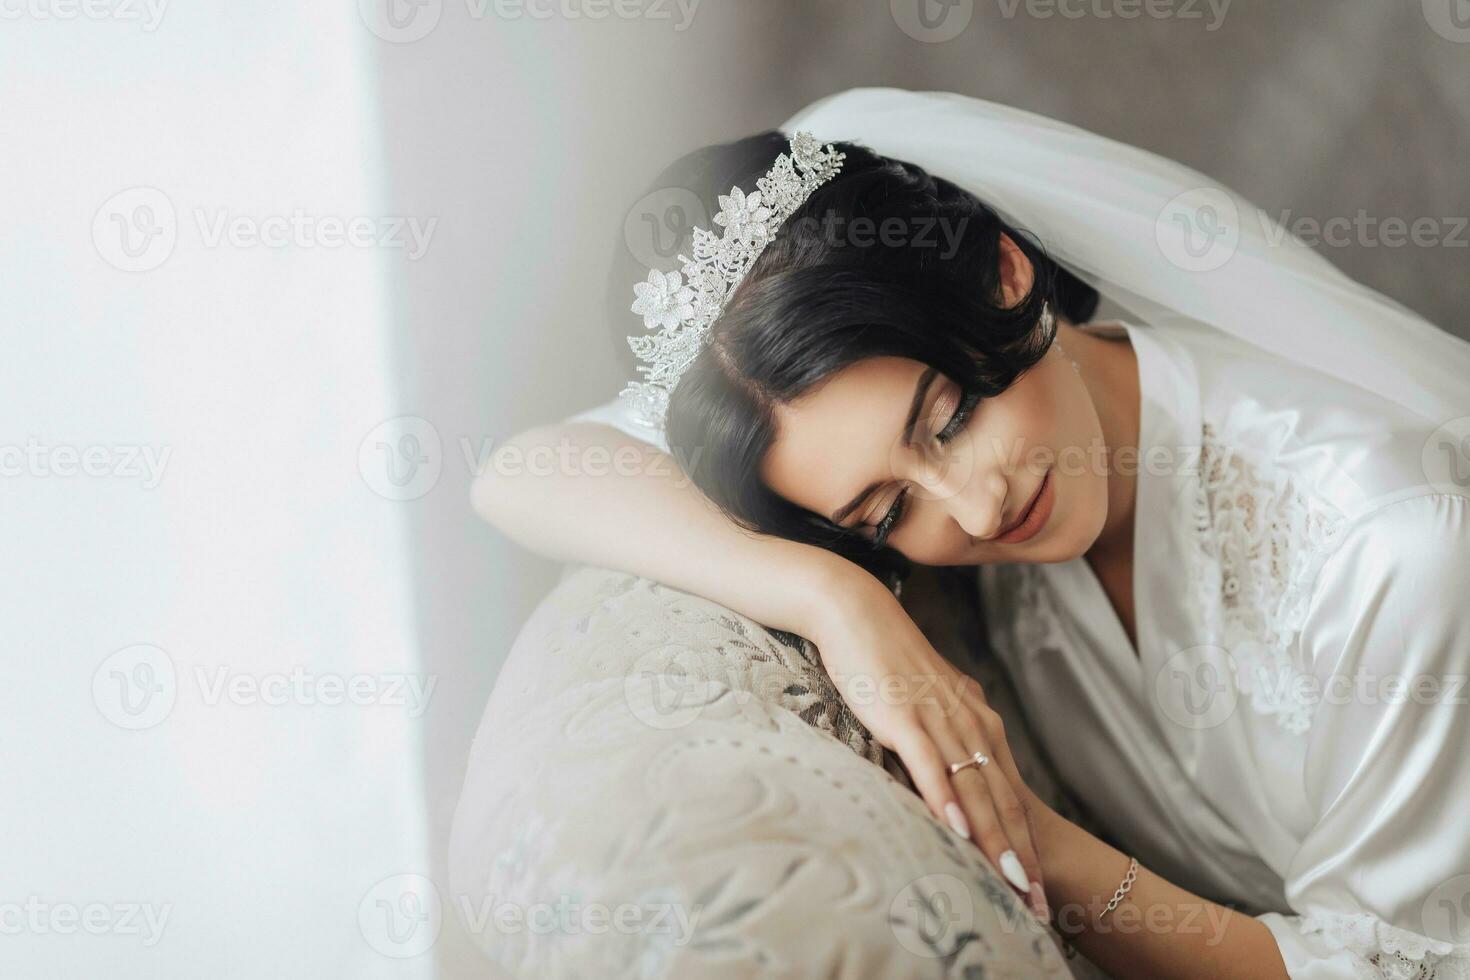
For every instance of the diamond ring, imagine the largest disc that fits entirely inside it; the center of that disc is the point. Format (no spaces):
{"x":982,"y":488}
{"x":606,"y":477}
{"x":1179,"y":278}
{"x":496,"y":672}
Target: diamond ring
{"x":978,"y":759}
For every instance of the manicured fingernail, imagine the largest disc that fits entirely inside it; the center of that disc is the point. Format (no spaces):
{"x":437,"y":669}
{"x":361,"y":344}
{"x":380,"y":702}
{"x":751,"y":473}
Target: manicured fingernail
{"x":1010,"y":866}
{"x":957,"y":819}
{"x":1038,"y":902}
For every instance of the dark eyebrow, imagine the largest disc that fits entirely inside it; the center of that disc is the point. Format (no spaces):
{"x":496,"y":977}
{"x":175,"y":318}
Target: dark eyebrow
{"x":921,"y":391}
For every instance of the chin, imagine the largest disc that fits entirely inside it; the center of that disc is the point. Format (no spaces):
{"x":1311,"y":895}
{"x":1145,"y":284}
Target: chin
{"x":1056,"y":542}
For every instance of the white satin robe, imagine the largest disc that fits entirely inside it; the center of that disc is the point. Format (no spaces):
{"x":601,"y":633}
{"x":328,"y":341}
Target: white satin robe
{"x":1284,"y":536}
{"x":1290,"y":563}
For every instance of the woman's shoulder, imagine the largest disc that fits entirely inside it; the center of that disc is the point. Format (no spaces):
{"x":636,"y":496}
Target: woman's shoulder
{"x":1406,"y":560}
{"x":1413,"y":547}
{"x":1349,"y":450}
{"x":1422,"y":530}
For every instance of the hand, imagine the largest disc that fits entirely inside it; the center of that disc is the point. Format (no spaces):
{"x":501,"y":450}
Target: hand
{"x":917,"y":704}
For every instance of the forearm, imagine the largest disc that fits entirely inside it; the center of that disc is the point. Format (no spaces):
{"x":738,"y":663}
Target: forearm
{"x":588,"y":493}
{"x":1158,"y":929}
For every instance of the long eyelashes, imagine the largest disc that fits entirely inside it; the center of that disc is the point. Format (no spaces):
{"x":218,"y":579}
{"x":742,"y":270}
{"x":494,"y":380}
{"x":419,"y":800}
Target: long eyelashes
{"x":959,"y":418}
{"x":890,"y":518}
{"x":943,"y":437}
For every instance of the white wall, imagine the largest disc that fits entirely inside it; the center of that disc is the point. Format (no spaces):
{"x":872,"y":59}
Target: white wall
{"x":185,"y":792}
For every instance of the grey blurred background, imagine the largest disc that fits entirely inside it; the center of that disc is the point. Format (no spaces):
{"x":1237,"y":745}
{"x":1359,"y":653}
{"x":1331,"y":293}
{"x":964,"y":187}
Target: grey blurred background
{"x":532,"y":138}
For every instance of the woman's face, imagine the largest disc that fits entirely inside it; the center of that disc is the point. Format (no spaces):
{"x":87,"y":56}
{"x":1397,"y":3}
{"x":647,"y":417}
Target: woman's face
{"x":966,"y":470}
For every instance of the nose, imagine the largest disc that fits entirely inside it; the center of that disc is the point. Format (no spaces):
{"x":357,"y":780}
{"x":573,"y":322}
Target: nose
{"x":980,"y":507}
{"x":971,"y":493}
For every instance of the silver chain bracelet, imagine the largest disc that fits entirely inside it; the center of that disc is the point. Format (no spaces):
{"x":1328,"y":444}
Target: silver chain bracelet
{"x":1128,"y":881}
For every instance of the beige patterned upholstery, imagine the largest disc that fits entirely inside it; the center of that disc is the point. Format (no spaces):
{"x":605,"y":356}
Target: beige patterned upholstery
{"x":662,"y":788}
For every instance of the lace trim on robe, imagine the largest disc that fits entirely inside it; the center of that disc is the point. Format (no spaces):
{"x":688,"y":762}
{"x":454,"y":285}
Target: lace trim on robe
{"x":1028,"y":615}
{"x":1386,"y":952}
{"x":1261,"y":541}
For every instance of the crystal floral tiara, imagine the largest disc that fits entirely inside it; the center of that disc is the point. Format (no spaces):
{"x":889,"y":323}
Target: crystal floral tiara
{"x":680,"y":306}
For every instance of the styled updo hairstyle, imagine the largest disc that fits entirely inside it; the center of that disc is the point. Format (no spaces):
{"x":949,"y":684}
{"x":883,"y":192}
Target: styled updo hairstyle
{"x":832,"y":289}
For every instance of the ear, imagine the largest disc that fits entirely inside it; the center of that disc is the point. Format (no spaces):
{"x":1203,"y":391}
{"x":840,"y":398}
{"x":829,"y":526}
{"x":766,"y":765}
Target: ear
{"x":1016,"y":272}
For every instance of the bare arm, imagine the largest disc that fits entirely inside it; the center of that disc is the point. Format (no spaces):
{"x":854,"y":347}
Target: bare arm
{"x":1158,"y":929}
{"x":586,"y":492}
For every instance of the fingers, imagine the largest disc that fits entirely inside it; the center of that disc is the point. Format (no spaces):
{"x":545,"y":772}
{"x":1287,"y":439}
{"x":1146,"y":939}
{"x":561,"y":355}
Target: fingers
{"x":931,"y":778}
{"x":1018,"y":829}
{"x":994,"y":728}
{"x":996,"y":732}
{"x":1001,"y":827}
{"x":1039,"y":902}
{"x":987,"y":805}
{"x":977,"y":806}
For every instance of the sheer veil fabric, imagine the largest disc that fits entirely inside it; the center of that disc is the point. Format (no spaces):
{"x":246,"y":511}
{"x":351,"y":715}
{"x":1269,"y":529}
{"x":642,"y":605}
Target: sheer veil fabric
{"x":1162,"y":241}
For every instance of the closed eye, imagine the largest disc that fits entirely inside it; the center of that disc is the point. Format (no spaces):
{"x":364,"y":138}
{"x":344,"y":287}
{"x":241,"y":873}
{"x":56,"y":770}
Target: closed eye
{"x":959,"y":418}
{"x":944,"y":436}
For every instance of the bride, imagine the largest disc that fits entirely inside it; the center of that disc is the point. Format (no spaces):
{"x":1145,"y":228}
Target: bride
{"x":1222,"y":533}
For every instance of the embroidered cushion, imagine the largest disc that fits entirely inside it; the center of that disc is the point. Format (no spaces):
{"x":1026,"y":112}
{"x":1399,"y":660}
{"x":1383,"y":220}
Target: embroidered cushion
{"x":662,"y":787}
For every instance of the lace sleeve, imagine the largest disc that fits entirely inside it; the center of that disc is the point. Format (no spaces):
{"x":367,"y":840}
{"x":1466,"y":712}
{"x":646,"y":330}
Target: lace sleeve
{"x":1382,"y":879}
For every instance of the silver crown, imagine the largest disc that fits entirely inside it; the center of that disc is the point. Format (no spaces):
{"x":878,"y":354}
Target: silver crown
{"x":680,"y":306}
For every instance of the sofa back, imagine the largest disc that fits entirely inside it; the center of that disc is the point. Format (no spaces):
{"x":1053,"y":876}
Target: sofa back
{"x":661,"y":787}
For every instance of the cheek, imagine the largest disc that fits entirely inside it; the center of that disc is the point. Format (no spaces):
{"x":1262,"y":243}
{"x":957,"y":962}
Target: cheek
{"x":1048,"y":420}
{"x":1021,"y":429}
{"x":935,"y":539}
{"x":1054,"y":414}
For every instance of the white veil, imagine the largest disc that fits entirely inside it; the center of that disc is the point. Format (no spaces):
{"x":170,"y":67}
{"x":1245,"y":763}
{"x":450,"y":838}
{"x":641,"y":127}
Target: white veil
{"x":1160,"y":240}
